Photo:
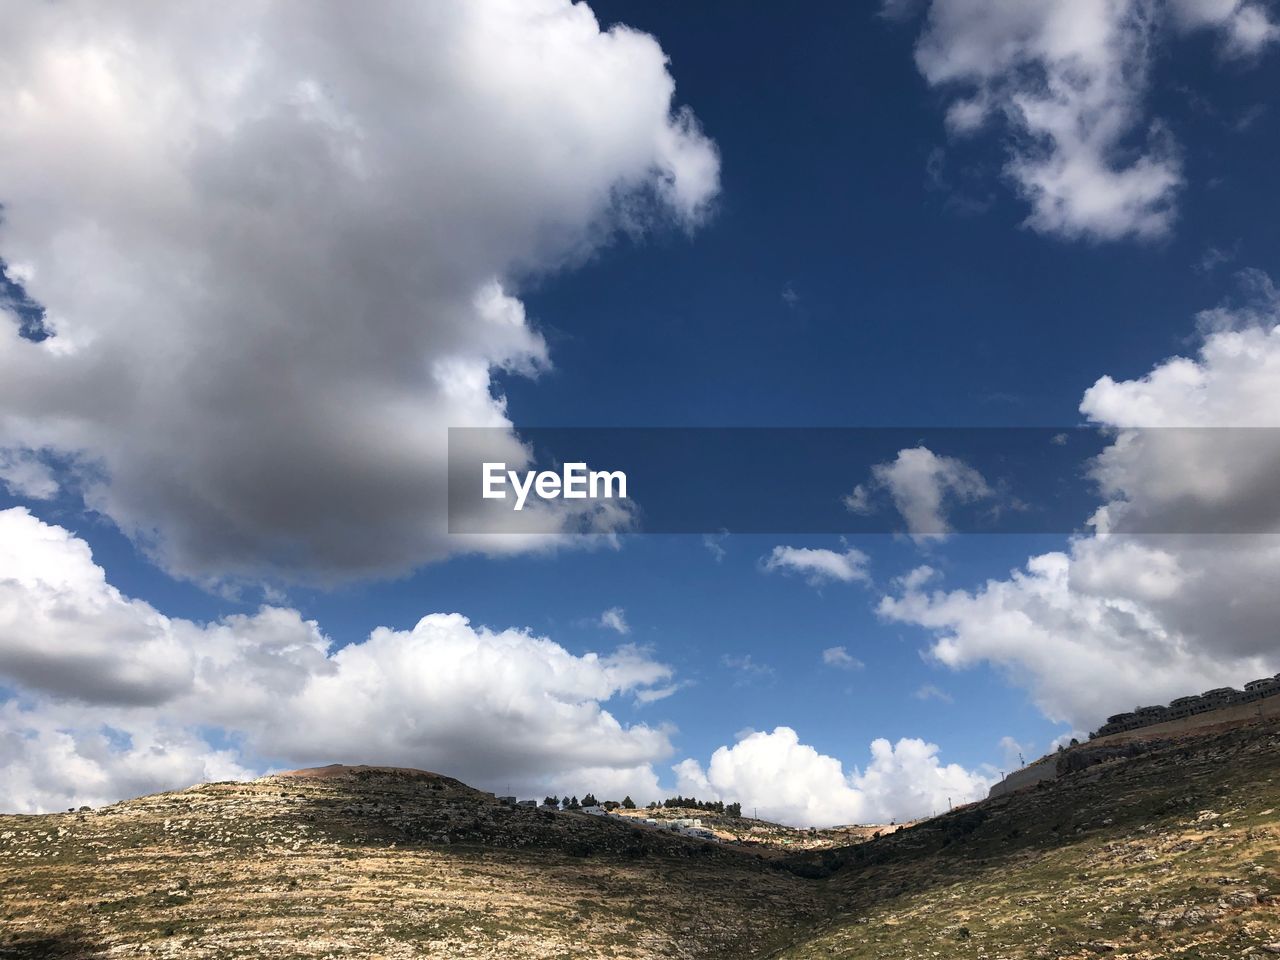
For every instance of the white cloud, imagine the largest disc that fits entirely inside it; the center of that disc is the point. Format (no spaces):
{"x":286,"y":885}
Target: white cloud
{"x":25,"y":475}
{"x":747,"y":668}
{"x":615,"y":618}
{"x":1196,"y":446}
{"x":1257,"y":308}
{"x":1246,"y":27}
{"x":113,"y":698}
{"x":859,"y":500}
{"x":917,"y":577}
{"x":841,"y":658}
{"x":819,"y":566}
{"x":791,"y":782}
{"x":932,"y":692}
{"x":714,"y":542}
{"x":1013,"y":754}
{"x":1064,"y":739}
{"x":50,"y":766}
{"x":1215,"y":257}
{"x":654,"y":694}
{"x":293,"y":261}
{"x":1083,"y":650}
{"x":1069,"y":79}
{"x":921,"y":485}
{"x":1118,"y":619}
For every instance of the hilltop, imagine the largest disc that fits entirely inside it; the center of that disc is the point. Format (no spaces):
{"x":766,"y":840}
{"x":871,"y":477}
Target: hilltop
{"x":1169,"y":848}
{"x":375,"y":861}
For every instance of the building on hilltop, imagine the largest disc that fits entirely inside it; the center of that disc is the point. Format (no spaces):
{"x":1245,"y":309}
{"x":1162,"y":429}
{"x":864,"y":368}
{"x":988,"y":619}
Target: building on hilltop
{"x":1220,"y":696}
{"x":1184,"y":707}
{"x":1257,"y":689}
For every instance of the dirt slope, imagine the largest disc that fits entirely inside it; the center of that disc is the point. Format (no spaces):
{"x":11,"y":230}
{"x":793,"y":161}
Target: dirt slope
{"x":1171,"y":853}
{"x":1170,"y":849}
{"x":365,"y":862}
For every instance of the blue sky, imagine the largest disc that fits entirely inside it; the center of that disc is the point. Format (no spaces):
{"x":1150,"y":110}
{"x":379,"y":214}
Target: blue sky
{"x":909,"y":311}
{"x":852,"y":259}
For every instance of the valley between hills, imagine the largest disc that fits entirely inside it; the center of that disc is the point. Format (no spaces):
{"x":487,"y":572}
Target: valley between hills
{"x":1158,"y":848}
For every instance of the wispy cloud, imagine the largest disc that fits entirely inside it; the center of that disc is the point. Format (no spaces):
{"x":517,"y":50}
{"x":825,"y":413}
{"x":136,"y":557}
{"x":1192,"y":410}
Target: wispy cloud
{"x":748,"y":669}
{"x":615,"y":618}
{"x":931,"y":692}
{"x":841,"y":659}
{"x":653,"y":694}
{"x":818,"y":566}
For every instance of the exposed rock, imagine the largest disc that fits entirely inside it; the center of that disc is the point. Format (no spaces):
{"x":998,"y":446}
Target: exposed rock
{"x":1130,"y":857}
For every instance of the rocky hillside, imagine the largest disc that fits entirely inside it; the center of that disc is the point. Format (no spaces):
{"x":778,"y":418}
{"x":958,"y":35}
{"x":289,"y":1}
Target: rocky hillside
{"x":364,"y":862}
{"x":1171,"y":851}
{"x":1168,"y":851}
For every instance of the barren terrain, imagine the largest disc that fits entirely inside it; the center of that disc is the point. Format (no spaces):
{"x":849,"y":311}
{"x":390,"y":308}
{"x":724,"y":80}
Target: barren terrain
{"x":1170,"y":853}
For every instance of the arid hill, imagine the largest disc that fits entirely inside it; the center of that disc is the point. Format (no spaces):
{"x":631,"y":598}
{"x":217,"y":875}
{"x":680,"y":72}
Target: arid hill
{"x":1167,"y":850}
{"x":375,"y":861}
{"x":1170,"y":849}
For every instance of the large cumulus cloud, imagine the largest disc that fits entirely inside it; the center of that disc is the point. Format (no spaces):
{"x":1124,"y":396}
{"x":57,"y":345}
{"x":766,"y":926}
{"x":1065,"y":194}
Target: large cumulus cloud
{"x":279,"y":245}
{"x":1144,"y":608}
{"x":103,"y":696}
{"x":789,"y":781}
{"x":108,"y":697}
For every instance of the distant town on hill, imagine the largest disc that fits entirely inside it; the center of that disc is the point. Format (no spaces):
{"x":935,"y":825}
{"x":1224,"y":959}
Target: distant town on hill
{"x":1183,"y":707}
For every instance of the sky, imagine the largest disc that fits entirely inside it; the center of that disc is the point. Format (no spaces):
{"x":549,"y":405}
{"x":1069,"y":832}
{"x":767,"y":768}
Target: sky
{"x":257,"y":263}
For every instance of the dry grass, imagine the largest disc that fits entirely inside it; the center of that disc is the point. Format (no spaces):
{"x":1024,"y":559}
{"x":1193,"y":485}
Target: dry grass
{"x":1172,"y":854}
{"x":392,"y":865}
